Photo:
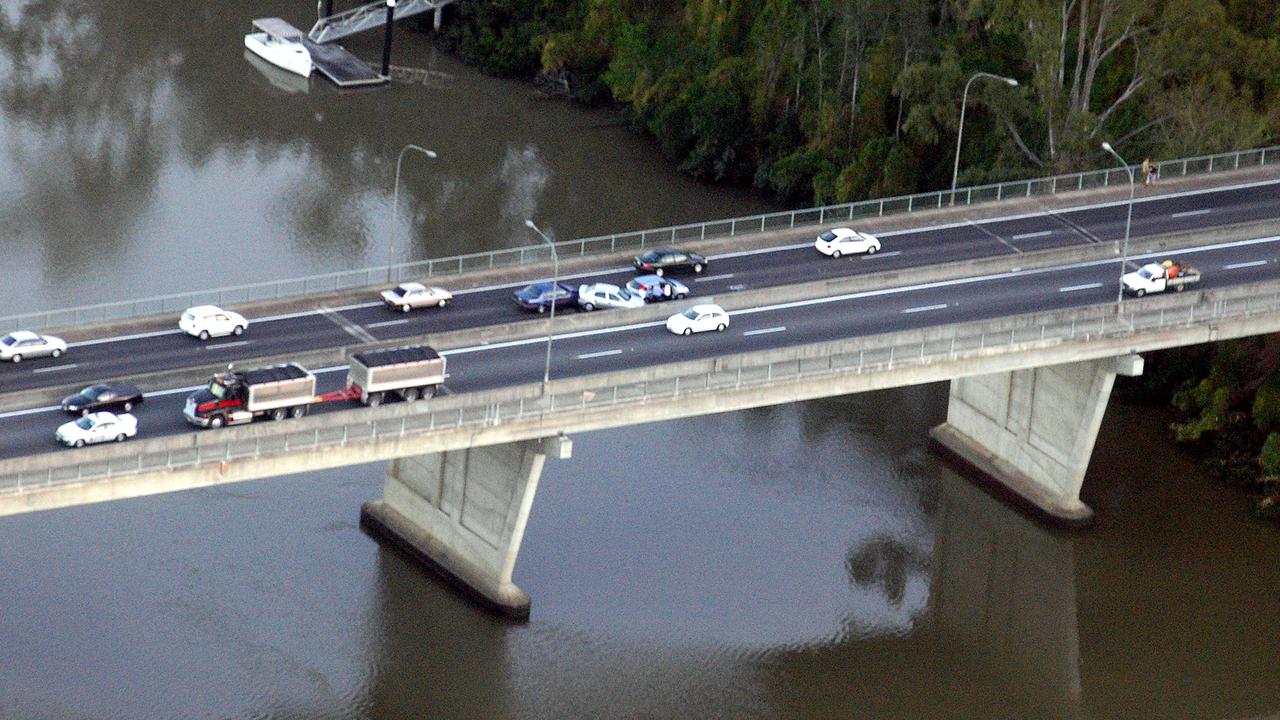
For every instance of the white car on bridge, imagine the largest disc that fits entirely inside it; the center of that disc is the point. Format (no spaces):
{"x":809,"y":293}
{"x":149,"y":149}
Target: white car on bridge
{"x":407,"y":296}
{"x":206,"y":321}
{"x":21,"y":344}
{"x":846,"y":241}
{"x":604,"y":295}
{"x":97,"y":427}
{"x":699,"y":318}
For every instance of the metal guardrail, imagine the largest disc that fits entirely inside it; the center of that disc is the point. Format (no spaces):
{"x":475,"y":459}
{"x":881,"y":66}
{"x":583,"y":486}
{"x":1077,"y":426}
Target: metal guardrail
{"x":858,"y":355}
{"x":366,"y":17}
{"x":638,"y":240}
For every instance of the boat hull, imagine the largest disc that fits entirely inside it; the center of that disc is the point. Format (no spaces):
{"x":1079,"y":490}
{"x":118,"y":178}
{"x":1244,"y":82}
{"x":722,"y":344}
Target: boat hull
{"x":284,"y":54}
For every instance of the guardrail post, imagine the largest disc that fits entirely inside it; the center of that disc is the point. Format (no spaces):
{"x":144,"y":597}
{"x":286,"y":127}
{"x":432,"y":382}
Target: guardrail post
{"x":882,"y":208}
{"x":1184,"y":167}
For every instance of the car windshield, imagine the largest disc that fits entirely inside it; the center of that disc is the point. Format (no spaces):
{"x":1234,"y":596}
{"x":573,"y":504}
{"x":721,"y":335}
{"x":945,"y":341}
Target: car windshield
{"x":8,"y":340}
{"x":399,"y":291}
{"x":651,"y":256}
{"x":93,"y":392}
{"x":86,"y":423}
{"x":828,"y":236}
{"x":1146,"y":273}
{"x":625,"y":295}
{"x":690,"y":313}
{"x":218,"y":390}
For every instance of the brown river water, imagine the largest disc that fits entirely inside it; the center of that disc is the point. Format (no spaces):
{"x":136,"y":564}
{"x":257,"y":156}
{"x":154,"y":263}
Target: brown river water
{"x":805,"y":561}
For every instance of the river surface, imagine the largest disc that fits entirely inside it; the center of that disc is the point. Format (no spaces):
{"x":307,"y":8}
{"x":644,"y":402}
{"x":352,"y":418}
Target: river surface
{"x":804,"y":561}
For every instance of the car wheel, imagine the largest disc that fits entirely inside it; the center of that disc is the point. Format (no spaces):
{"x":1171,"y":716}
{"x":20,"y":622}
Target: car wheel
{"x":835,"y":253}
{"x":1139,"y":292}
{"x":443,"y":302}
{"x":79,"y":443}
{"x":659,"y":272}
{"x":84,"y":411}
{"x":589,"y":307}
{"x":120,"y":437}
{"x":56,"y":352}
{"x":542,"y":308}
{"x":697,"y":267}
{"x":410,"y":394}
{"x":721,"y":327}
{"x":279,"y":414}
{"x":375,"y":399}
{"x":679,"y":296}
{"x":237,"y":330}
{"x":404,"y":308}
{"x":17,"y":358}
{"x":204,"y":335}
{"x":217,"y":421}
{"x":687,"y":331}
{"x":871,"y":249}
{"x":128,"y":406}
{"x":1180,"y":288}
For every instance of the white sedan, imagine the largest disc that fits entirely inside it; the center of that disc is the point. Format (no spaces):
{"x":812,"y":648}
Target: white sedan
{"x":24,"y":344}
{"x":844,"y":241}
{"x":97,"y":427}
{"x":206,"y":321}
{"x":699,"y":318}
{"x":407,"y":296}
{"x":604,"y":295}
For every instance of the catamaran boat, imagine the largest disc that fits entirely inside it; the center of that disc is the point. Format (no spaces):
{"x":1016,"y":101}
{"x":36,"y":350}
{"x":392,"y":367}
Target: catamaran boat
{"x":280,"y":44}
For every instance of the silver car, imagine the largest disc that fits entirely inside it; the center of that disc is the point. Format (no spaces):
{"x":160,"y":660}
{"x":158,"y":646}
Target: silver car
{"x":21,"y":344}
{"x":408,"y":296}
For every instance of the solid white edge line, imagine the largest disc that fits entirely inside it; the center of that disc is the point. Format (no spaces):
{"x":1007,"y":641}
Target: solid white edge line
{"x":1073,"y":288}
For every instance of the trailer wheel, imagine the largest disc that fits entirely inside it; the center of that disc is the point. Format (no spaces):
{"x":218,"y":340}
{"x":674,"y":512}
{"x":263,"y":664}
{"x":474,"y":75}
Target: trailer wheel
{"x":217,"y":421}
{"x":298,"y":411}
{"x":279,"y":414}
{"x":375,"y":399}
{"x":409,"y":394}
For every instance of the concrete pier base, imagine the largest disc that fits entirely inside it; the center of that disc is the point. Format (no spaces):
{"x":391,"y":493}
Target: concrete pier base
{"x":439,"y":17}
{"x":462,"y":513}
{"x":1030,"y":433}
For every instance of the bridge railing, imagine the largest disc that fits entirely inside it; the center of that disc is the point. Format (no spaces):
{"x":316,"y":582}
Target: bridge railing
{"x":632,"y":241}
{"x":867,"y":354}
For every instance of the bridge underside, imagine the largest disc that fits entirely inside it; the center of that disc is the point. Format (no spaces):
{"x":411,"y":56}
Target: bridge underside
{"x":1031,"y":432}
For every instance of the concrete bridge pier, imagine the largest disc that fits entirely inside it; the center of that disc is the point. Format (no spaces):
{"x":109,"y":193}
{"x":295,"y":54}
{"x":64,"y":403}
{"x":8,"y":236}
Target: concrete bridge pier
{"x":439,"y":17}
{"x":1031,"y":432}
{"x":462,"y":513}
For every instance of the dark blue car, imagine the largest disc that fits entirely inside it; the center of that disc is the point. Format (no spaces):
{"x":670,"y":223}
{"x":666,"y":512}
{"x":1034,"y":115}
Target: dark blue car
{"x":540,"y":296}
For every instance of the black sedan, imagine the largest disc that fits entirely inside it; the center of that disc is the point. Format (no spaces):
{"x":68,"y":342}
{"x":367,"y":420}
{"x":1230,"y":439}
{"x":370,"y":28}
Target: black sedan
{"x":664,"y":260}
{"x":103,"y":396}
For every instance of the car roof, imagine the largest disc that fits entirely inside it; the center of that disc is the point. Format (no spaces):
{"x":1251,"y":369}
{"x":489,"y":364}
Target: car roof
{"x":707,"y":308}
{"x":24,"y":335}
{"x":646,"y":279}
{"x":412,"y":286}
{"x":603,"y":287}
{"x":205,"y":310}
{"x":102,"y":416}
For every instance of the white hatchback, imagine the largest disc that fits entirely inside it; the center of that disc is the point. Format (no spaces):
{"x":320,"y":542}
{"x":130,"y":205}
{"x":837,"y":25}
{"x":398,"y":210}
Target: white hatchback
{"x":206,"y":321}
{"x":699,"y":318}
{"x":845,"y":241}
{"x":21,"y":344}
{"x":97,"y":427}
{"x":604,"y":295}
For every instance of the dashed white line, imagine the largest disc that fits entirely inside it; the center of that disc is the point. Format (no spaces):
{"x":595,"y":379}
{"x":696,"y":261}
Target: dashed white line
{"x":57,"y":368}
{"x":987,"y":232}
{"x":891,"y":253}
{"x":219,"y":346}
{"x":725,"y":276}
{"x":1190,"y":213}
{"x":925,"y":308}
{"x":1073,"y":288}
{"x":1237,"y":266}
{"x":602,"y":353}
{"x":780,"y":328}
{"x":385,"y":323}
{"x":1040,"y":233}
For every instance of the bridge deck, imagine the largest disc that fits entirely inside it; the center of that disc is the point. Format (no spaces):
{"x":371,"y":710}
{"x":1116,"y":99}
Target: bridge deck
{"x":340,"y":66}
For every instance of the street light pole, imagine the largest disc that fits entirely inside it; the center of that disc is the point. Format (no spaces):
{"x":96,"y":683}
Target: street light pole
{"x":395,"y":203}
{"x":1128,"y":219}
{"x":555,"y":292}
{"x":964,"y":101}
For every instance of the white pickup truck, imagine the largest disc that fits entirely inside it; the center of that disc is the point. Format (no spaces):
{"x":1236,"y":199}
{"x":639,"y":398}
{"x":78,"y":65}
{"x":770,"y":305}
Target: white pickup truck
{"x":1158,"y":277}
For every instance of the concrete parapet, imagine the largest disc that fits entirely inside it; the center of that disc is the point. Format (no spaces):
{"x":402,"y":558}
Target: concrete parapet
{"x":462,"y":513}
{"x":1032,"y":431}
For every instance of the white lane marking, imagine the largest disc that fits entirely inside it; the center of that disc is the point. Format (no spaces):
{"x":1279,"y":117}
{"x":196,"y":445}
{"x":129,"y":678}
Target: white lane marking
{"x":219,"y":346}
{"x":1190,"y":213}
{"x":59,"y":368}
{"x":1019,"y":216}
{"x":780,"y":328}
{"x":120,"y":338}
{"x":385,"y":323}
{"x":352,"y":329}
{"x":924,"y":308}
{"x":985,"y":231}
{"x":1073,"y":288}
{"x":602,"y":353}
{"x":1041,"y":233}
{"x":725,"y":276}
{"x":1237,"y":266}
{"x":891,"y":253}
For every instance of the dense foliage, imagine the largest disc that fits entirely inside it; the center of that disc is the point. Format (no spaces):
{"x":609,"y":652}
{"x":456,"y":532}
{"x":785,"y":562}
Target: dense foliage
{"x":835,"y":100}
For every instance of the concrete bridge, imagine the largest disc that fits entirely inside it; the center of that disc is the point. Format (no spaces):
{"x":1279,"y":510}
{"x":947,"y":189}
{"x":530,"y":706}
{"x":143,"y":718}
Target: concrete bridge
{"x":1028,"y":392}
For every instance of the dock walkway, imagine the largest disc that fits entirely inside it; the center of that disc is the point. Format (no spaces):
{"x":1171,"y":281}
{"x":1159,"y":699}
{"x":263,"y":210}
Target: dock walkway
{"x":340,"y":66}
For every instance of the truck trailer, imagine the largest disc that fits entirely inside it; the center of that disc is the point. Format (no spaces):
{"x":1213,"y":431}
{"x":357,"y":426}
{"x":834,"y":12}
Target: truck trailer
{"x":238,"y":396}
